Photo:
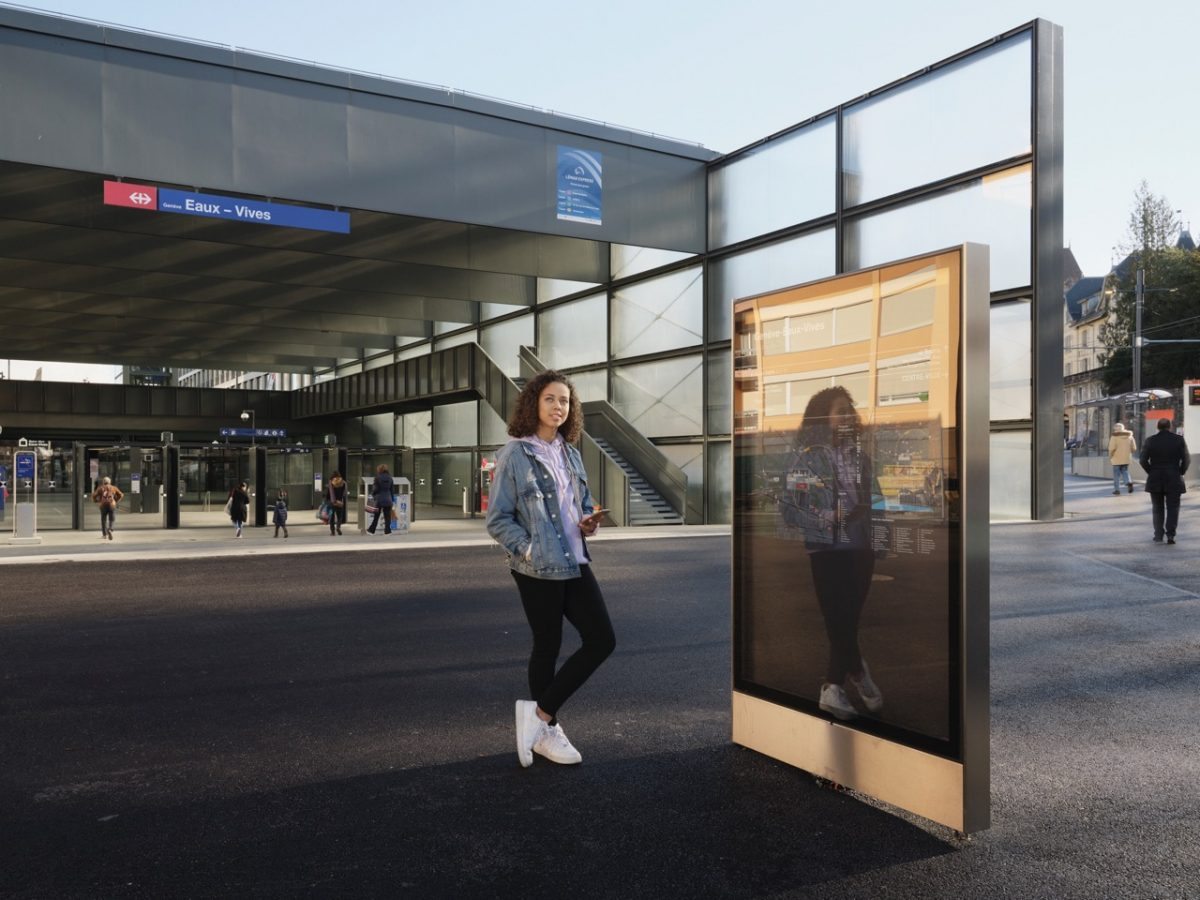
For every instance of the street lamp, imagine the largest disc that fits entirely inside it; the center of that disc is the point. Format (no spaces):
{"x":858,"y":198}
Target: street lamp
{"x":248,"y":416}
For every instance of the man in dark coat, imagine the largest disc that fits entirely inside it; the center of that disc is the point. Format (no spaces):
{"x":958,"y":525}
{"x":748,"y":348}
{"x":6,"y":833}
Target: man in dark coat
{"x":1165,"y":458}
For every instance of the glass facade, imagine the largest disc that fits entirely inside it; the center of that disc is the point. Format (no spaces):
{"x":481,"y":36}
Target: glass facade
{"x":664,"y":313}
{"x":575,"y":333}
{"x":774,"y":185}
{"x":961,"y":117}
{"x":503,"y":341}
{"x":992,"y":210}
{"x":663,"y":398}
{"x":946,"y":156}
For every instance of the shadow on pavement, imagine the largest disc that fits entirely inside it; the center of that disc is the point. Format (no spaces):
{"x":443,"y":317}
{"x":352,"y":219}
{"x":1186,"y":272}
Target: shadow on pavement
{"x":710,"y":822}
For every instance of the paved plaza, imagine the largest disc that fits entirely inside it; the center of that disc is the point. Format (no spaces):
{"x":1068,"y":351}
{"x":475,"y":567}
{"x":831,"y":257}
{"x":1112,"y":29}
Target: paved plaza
{"x":186,"y":715}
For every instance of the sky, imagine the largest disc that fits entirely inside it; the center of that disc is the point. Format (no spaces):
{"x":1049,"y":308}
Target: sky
{"x":726,"y":74}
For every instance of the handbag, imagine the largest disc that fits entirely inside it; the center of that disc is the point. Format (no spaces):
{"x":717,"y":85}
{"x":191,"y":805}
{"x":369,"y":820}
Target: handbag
{"x":323,"y":512}
{"x":229,"y":505}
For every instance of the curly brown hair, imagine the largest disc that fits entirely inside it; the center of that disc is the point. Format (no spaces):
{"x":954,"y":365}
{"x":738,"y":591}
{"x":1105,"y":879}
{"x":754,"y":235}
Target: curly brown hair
{"x":524,"y":420}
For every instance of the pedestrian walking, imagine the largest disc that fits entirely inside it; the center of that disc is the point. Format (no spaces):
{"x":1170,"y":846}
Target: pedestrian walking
{"x":335,"y":496}
{"x":107,"y":496}
{"x":1121,"y":447}
{"x":540,"y":511}
{"x":1165,"y":459}
{"x":381,"y":493}
{"x":237,"y":505}
{"x":280,"y":514}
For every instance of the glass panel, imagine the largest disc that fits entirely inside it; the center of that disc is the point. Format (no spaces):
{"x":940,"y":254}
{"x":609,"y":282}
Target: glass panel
{"x":418,"y":429}
{"x":495,"y":310}
{"x":967,"y":115}
{"x":1009,"y":474}
{"x":1010,"y":361}
{"x":626,"y":261}
{"x":419,"y":350}
{"x":502,"y":343}
{"x":574,"y":334}
{"x":720,"y":393}
{"x":769,"y":268}
{"x":663,"y":398}
{"x":493,"y":430}
{"x":660,"y":314}
{"x":591,"y":385}
{"x":452,"y":472}
{"x":455,"y":424}
{"x":379,"y":430}
{"x":993,"y":210}
{"x":552,"y":288}
{"x":719,"y":483}
{"x":785,"y":181}
{"x":690,"y":458}
{"x":467,"y":337}
{"x":384,"y":359}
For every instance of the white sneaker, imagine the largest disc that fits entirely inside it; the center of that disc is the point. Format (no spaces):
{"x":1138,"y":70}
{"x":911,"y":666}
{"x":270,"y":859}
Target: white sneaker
{"x":868,"y":690}
{"x":552,"y":743}
{"x":835,"y":702}
{"x":529,"y":729}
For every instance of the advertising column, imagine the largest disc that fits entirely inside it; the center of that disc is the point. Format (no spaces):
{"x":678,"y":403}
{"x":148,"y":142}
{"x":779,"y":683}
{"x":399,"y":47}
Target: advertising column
{"x":860,"y":532}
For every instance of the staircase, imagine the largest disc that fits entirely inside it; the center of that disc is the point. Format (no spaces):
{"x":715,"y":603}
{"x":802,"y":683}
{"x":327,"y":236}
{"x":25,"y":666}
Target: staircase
{"x":646,"y":505}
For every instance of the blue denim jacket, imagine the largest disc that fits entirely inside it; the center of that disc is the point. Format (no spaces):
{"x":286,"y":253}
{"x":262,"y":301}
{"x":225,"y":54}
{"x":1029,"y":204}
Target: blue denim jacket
{"x":523,"y":512}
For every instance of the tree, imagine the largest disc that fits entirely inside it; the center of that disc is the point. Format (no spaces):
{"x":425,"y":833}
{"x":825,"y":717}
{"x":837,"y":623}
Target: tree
{"x":1170,"y":308}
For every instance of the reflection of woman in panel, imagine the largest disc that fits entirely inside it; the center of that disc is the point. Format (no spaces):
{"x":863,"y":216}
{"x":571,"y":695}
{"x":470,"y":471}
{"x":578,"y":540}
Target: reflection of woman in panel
{"x":834,"y":511}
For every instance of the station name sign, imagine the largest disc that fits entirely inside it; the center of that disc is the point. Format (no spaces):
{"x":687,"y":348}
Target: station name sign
{"x":215,"y":206}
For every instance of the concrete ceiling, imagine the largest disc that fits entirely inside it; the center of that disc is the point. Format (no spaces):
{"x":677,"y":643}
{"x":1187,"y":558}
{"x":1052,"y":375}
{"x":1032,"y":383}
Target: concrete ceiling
{"x":85,"y":282}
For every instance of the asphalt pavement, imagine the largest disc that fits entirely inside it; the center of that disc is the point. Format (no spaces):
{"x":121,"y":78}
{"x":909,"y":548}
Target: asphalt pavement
{"x":189,"y":715}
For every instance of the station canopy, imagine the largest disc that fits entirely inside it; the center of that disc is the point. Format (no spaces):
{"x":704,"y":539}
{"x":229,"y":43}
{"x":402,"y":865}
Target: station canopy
{"x":81,"y":281}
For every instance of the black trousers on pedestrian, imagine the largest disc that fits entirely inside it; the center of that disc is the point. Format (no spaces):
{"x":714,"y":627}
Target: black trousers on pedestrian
{"x":1166,"y":512}
{"x":386,"y":512}
{"x":547,"y":603}
{"x":108,"y":518}
{"x":842,"y":579}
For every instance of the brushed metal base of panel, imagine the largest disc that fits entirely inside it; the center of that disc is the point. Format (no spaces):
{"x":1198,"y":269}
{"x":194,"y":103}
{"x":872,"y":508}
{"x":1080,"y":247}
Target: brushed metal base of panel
{"x":927,"y":785}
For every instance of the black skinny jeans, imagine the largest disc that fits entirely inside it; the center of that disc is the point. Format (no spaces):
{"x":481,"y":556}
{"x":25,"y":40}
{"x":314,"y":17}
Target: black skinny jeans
{"x":108,"y":518}
{"x":546,"y":604}
{"x":842,"y":579}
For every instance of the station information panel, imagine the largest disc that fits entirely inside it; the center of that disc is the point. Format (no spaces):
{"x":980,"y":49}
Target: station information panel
{"x":860,"y":548}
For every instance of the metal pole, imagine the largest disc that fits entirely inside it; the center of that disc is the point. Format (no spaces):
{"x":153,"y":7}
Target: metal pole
{"x":1139,"y":295}
{"x":1137,"y":330}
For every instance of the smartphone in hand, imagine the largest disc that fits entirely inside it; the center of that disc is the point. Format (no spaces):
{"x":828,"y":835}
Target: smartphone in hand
{"x":594,"y":516}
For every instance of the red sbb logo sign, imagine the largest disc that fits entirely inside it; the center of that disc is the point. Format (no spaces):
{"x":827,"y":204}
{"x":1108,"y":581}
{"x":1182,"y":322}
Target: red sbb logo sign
{"x":126,"y":193}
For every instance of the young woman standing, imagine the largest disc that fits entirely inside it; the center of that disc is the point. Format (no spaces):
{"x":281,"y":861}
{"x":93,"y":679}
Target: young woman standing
{"x":540,"y":511}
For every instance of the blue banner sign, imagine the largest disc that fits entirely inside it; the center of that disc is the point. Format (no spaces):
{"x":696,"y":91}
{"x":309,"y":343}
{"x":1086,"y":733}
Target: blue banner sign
{"x":239,"y":209}
{"x":254,"y":432}
{"x":25,"y":465}
{"x":580,"y":186}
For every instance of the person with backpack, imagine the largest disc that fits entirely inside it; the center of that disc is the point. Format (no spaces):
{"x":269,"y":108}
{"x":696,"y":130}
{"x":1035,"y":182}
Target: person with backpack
{"x":107,"y":495}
